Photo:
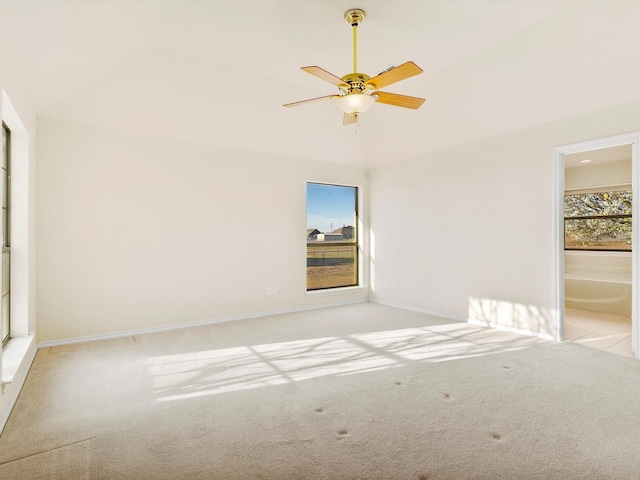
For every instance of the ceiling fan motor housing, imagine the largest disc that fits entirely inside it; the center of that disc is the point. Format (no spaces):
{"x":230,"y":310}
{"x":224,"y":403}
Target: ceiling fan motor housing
{"x":356,"y":83}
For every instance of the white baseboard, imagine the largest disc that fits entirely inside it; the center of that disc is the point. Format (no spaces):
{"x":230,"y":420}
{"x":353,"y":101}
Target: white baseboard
{"x":473,"y":321}
{"x":519,"y":331}
{"x":142,"y":331}
{"x":419,"y":310}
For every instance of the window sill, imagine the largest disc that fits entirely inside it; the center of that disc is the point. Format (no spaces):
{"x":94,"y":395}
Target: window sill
{"x":597,"y":253}
{"x":13,"y":355}
{"x":336,"y":291}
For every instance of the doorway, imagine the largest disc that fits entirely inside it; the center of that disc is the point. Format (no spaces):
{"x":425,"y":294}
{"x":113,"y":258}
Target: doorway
{"x":596,"y":252}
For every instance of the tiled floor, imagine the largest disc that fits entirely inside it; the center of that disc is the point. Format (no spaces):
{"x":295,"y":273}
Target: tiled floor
{"x":603,"y":331}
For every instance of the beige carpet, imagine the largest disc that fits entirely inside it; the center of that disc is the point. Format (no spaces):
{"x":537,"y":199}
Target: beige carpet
{"x":355,"y":392}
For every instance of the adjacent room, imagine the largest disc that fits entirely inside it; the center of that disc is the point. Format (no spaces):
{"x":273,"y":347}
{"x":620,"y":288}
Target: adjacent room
{"x":598,"y":254}
{"x":164,"y":317}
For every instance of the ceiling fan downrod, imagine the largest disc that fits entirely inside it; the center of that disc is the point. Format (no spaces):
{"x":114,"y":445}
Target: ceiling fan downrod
{"x":355,"y":17}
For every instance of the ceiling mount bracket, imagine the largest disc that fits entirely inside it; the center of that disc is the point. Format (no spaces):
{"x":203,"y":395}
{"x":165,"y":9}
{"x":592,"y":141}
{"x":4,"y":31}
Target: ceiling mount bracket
{"x":354,"y":17}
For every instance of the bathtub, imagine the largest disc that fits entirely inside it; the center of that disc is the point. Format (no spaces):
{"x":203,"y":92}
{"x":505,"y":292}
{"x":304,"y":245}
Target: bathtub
{"x":598,"y":281}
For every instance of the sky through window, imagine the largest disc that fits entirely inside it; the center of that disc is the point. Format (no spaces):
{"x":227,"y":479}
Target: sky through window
{"x":330,"y":206}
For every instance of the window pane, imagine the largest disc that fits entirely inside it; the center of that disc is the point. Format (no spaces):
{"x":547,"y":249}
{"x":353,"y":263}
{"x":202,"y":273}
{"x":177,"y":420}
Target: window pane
{"x":6,"y":186}
{"x":332,"y":237}
{"x":598,"y":233}
{"x":331,"y":266}
{"x":5,"y":221}
{"x":598,"y":204}
{"x":5,"y":140}
{"x":6,"y":270}
{"x":5,"y":318}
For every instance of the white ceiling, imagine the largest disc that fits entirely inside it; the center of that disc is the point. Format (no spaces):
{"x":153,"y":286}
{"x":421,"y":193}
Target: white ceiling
{"x":218,"y":72}
{"x":603,"y":155}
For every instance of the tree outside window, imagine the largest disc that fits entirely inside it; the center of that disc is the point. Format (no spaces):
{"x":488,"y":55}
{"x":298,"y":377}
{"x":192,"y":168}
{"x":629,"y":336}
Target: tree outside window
{"x":598,"y":221}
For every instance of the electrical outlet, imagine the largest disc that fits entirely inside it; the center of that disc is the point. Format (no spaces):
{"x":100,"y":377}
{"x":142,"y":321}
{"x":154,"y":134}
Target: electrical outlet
{"x":272,"y":291}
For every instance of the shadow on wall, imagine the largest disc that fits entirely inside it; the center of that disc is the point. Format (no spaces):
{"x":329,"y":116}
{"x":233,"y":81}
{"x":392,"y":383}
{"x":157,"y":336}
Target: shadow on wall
{"x":514,"y":316}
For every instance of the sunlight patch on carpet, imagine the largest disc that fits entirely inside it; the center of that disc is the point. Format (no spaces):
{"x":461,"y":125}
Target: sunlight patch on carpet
{"x":212,"y":372}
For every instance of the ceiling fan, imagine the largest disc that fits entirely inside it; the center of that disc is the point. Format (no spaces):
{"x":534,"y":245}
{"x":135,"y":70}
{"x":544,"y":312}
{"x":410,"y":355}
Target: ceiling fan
{"x":358,"y":91}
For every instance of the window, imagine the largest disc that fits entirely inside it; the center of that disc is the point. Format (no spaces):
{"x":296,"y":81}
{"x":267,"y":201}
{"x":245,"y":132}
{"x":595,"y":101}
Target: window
{"x":332,"y":236}
{"x":6,"y":250}
{"x":598,"y":221}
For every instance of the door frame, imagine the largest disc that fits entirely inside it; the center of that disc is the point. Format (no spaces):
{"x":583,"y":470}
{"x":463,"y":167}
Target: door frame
{"x":632,"y":139}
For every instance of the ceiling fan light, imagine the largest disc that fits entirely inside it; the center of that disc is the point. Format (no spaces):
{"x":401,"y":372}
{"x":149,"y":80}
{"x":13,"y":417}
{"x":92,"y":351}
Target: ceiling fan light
{"x":355,"y":103}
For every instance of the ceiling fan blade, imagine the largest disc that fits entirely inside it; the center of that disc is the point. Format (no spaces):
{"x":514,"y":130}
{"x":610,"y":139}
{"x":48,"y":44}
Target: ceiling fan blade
{"x":348,"y":119}
{"x":311,"y":100}
{"x":398,"y":100}
{"x":324,"y":75}
{"x":394,"y":75}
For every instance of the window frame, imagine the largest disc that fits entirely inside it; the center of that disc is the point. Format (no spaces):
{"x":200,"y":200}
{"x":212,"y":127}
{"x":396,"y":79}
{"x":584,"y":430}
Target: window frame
{"x":355,"y":243}
{"x":6,"y":236}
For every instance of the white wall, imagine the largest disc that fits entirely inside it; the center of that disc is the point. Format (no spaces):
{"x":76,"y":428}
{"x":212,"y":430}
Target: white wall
{"x":138,"y":232}
{"x":602,"y":174}
{"x":468,"y":232}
